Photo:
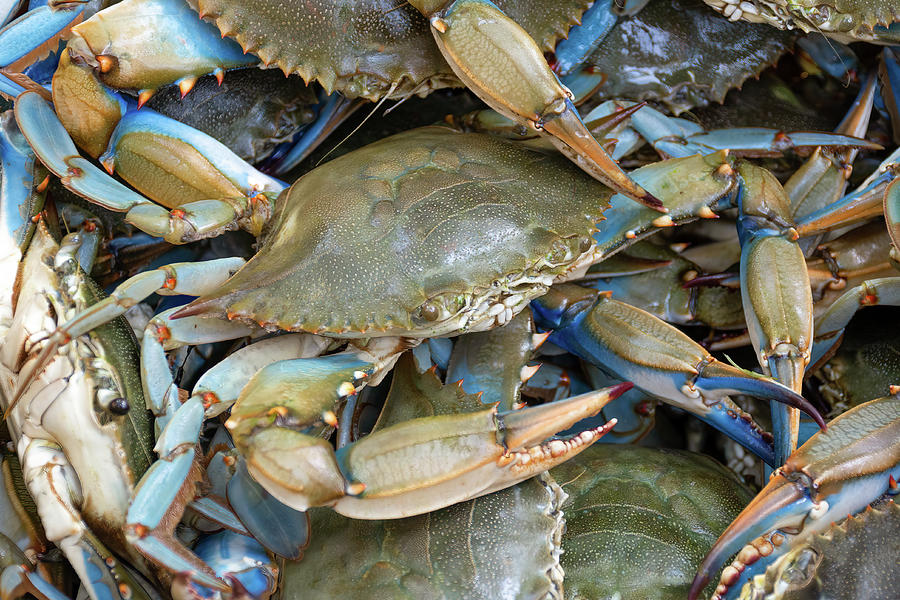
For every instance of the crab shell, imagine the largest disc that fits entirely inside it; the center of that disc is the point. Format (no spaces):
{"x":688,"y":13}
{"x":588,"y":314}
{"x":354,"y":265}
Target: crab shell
{"x":365,"y":47}
{"x":682,"y":54}
{"x":846,"y":20}
{"x":426,"y":233}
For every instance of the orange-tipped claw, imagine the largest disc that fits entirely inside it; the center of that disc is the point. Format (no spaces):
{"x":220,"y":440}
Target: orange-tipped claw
{"x":502,"y":65}
{"x":777,"y":505}
{"x":571,"y":137}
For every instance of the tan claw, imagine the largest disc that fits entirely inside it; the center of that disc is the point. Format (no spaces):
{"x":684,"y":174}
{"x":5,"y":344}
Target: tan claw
{"x":503,"y":66}
{"x":423,"y":464}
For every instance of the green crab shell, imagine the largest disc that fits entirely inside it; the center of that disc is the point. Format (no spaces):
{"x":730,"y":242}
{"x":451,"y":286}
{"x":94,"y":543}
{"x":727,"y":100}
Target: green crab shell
{"x":639,"y":520}
{"x":365,"y":47}
{"x":849,"y":20}
{"x":417,"y":235}
{"x":680,"y":53}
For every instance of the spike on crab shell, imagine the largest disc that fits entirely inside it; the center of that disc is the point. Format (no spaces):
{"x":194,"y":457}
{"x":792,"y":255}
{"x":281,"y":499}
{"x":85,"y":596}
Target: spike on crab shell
{"x":185,"y":85}
{"x":527,"y":372}
{"x":538,"y":339}
{"x":144,"y":97}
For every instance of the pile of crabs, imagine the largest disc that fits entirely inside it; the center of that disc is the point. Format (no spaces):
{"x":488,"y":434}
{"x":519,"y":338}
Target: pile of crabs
{"x":383,"y":299}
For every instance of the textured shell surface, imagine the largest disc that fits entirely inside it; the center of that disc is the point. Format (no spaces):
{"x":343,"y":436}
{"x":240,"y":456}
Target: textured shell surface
{"x":364,"y":47}
{"x":429,"y":215}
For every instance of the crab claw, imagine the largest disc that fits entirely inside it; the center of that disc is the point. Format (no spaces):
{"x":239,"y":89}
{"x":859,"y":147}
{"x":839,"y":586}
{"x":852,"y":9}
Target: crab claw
{"x":633,"y":344}
{"x":417,"y":465}
{"x":503,"y":66}
{"x":837,"y":472}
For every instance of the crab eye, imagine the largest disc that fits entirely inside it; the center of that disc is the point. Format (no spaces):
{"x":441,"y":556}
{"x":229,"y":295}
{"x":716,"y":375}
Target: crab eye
{"x":119,"y":406}
{"x":430,"y":311}
{"x":819,"y":14}
{"x":585,"y":244}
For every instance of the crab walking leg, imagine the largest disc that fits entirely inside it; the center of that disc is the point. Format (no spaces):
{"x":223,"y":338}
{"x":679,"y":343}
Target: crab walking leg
{"x":49,"y":478}
{"x":176,"y":165}
{"x":864,"y":203}
{"x":663,"y":361}
{"x":503,"y":66}
{"x":220,"y":386}
{"x":32,"y":29}
{"x":775,"y":292}
{"x":830,"y":325}
{"x":163,"y":333}
{"x":168,"y":486}
{"x":823,"y":178}
{"x":837,"y":472}
{"x":193,"y":279}
{"x":162,"y":495}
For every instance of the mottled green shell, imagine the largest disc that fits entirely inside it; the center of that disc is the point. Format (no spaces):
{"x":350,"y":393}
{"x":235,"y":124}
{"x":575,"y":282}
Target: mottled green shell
{"x":682,"y":54}
{"x":357,"y":245}
{"x":854,"y":559}
{"x":846,"y":20}
{"x":865,"y":365}
{"x":640,"y":520}
{"x":364,"y":47}
{"x":251,"y":111}
{"x":500,"y":546}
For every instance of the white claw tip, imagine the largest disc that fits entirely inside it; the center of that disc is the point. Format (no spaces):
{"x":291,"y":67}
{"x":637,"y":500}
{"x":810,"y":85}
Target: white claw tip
{"x":528,"y":372}
{"x":330,"y":418}
{"x":355,"y":489}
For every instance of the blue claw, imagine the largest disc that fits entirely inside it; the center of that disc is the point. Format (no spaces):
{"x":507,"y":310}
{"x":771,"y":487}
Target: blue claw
{"x":837,"y":472}
{"x":33,"y":28}
{"x":585,"y":38}
{"x":278,"y":527}
{"x":663,"y":361}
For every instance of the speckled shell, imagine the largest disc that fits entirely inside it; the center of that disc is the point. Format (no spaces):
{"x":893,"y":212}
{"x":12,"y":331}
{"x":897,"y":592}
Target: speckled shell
{"x":640,"y":520}
{"x":363,"y":47}
{"x":680,"y":53}
{"x":501,"y":546}
{"x":848,"y":20}
{"x":251,"y":111}
{"x":856,"y":558}
{"x":358,"y":244}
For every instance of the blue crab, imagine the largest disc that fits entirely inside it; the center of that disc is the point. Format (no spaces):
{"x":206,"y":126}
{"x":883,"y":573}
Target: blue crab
{"x":837,"y":472}
{"x":428,"y":233}
{"x":844,"y":20}
{"x":389,"y":52}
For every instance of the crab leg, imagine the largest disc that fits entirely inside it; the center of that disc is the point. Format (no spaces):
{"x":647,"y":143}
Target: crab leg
{"x":776,"y":293}
{"x":822,"y":179}
{"x":663,"y":361}
{"x":246,"y":194}
{"x":164,"y":492}
{"x":504,"y":67}
{"x":45,"y":471}
{"x":179,"y":278}
{"x":836,"y":473}
{"x":404,"y":469}
{"x":830,"y":324}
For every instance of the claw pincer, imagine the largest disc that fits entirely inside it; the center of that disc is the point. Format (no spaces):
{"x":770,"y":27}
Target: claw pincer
{"x":837,"y":472}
